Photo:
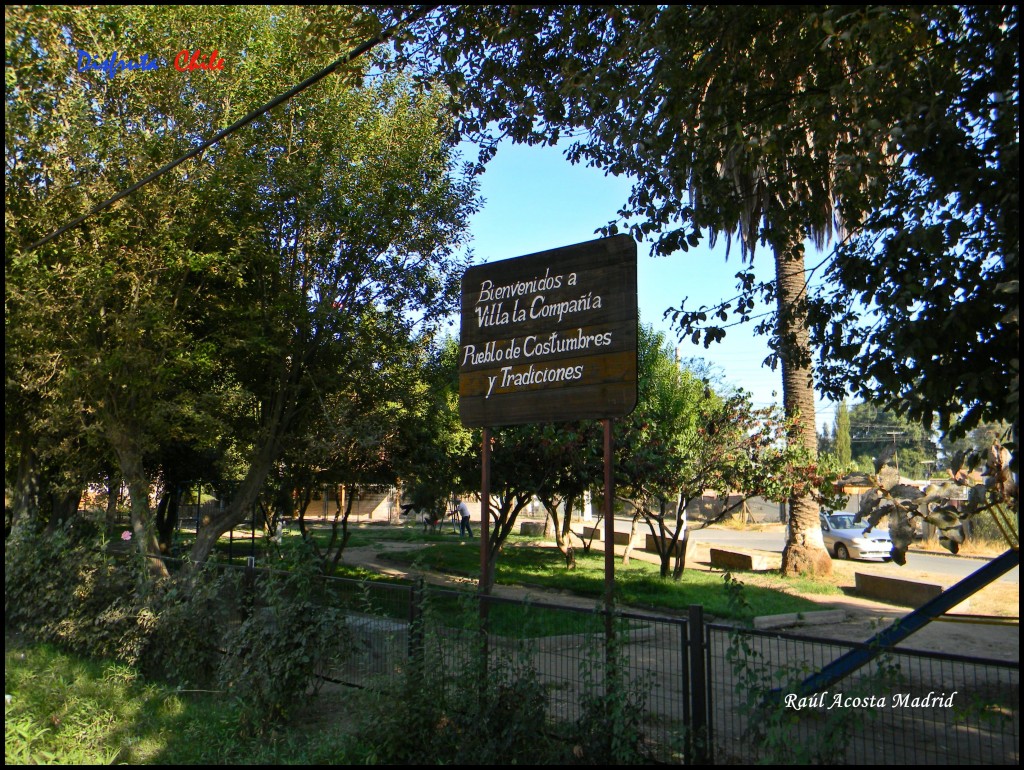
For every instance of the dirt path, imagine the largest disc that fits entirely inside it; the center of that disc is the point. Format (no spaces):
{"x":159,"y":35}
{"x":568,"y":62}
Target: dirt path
{"x":864,"y":617}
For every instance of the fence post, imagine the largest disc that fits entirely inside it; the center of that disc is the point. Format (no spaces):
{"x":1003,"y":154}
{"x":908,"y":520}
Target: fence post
{"x":416,"y":596}
{"x":684,"y":651}
{"x":699,"y":748}
{"x":248,"y":587}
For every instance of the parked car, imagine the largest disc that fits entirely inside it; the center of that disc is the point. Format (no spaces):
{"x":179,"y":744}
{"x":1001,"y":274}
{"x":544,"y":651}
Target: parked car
{"x":846,"y":540}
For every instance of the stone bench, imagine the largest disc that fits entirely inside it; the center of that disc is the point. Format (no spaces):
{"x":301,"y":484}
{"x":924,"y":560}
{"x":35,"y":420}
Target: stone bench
{"x":816,"y":618}
{"x":597,"y":533}
{"x":533,"y":528}
{"x":651,"y":544}
{"x":908,"y":593}
{"x":736,"y":560}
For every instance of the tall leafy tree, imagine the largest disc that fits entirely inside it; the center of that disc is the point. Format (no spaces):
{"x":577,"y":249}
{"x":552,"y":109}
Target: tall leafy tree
{"x":227,"y":297}
{"x":108,"y":311}
{"x":924,"y":317}
{"x":346,"y":250}
{"x":684,"y":440}
{"x":573,"y":454}
{"x":439,"y":457}
{"x":842,"y":436}
{"x":876,"y":433}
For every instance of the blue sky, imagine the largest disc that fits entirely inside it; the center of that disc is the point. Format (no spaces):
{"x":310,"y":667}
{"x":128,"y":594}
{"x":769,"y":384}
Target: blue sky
{"x":536,"y":200}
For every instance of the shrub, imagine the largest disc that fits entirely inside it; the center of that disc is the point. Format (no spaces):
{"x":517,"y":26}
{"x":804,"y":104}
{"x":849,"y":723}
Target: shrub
{"x":62,"y":587}
{"x":609,"y":730}
{"x":178,"y":630}
{"x":435,"y":716}
{"x":493,"y":709}
{"x":452,"y":705}
{"x":275,"y":655}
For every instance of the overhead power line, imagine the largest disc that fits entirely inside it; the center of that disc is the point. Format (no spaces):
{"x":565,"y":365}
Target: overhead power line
{"x":352,"y":55}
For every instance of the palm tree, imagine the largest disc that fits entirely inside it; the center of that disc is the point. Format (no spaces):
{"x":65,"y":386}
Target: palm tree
{"x":746,"y":123}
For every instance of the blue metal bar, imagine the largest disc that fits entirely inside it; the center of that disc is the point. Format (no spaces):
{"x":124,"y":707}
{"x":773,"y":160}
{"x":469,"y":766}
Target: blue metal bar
{"x":846,"y":664}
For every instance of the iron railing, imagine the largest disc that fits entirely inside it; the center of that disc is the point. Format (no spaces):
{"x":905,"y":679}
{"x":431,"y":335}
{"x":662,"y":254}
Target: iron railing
{"x":709,"y":692}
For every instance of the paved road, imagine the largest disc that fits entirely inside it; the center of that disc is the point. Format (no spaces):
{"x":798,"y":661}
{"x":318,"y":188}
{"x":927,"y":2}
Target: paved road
{"x":773,"y":540}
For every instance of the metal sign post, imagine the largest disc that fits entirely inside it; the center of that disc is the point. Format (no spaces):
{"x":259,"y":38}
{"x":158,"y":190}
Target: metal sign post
{"x":609,"y":528}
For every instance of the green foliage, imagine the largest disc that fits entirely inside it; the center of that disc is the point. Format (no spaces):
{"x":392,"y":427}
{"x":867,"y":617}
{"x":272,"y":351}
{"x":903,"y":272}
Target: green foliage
{"x":610,"y":728}
{"x":457,"y":704}
{"x":683,"y":440}
{"x":875,"y":432}
{"x":70,"y":592}
{"x":439,"y":456}
{"x":923,"y":311}
{"x":66,"y":710}
{"x":260,"y":301}
{"x":65,"y":589}
{"x":276,"y":653}
{"x":454,"y":705}
{"x":843,"y":438}
{"x":177,"y":632}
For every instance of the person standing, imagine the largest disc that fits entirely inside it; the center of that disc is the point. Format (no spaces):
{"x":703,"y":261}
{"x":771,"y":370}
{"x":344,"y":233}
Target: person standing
{"x":464,"y":525}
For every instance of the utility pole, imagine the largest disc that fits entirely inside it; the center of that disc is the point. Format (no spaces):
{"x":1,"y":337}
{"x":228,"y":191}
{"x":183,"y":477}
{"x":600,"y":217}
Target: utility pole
{"x":895,"y":454}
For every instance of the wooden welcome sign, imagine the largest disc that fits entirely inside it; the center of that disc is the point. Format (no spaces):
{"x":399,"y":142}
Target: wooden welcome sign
{"x":550,"y":336}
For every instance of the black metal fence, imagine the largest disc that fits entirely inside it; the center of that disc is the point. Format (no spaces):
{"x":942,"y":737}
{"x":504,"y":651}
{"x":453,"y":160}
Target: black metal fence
{"x":904,"y":707}
{"x":709,"y":692}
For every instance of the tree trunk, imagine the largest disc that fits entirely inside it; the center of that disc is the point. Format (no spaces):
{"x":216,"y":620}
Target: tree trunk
{"x":280,"y":414}
{"x":629,"y":543}
{"x":682,"y":535}
{"x":129,"y":458}
{"x":113,"y":497}
{"x":167,"y":511}
{"x":236,"y":512}
{"x":805,"y":549}
{"x":25,"y":491}
{"x":562,"y":531}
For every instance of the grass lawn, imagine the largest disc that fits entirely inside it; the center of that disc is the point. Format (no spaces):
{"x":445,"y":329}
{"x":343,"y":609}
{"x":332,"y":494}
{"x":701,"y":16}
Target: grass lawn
{"x":534,"y":562}
{"x":63,"y":709}
{"x":527,"y":562}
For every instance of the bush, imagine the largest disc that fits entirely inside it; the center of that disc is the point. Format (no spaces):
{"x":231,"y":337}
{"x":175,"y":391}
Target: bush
{"x":490,"y":709}
{"x":447,"y":711}
{"x":178,"y":630}
{"x":277,"y":652}
{"x":609,"y":730}
{"x":64,"y":588}
{"x":435,"y":717}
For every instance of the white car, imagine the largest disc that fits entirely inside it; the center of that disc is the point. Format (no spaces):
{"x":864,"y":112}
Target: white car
{"x":846,"y":540}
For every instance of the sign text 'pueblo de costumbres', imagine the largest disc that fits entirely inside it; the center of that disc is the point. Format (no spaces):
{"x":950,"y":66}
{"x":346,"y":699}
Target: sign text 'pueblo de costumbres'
{"x":550,"y":336}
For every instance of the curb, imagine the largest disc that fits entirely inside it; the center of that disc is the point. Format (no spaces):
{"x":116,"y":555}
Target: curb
{"x":819,"y":618}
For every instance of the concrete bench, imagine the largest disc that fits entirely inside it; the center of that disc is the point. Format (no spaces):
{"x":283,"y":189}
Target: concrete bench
{"x":533,"y":528}
{"x":908,"y":593}
{"x":736,"y":560}
{"x":651,"y":544}
{"x":597,"y":533}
